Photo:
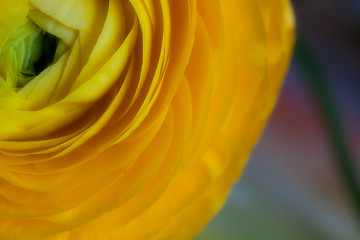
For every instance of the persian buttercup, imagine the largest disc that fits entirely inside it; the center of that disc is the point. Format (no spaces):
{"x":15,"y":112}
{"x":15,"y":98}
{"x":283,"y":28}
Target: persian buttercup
{"x":131,"y":119}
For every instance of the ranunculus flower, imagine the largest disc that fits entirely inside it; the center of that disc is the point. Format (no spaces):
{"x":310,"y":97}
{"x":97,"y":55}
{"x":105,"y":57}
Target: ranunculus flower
{"x":131,"y":119}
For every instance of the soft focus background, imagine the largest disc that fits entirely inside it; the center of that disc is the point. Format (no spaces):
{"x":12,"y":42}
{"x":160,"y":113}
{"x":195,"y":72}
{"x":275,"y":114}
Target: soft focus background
{"x":292,"y":187}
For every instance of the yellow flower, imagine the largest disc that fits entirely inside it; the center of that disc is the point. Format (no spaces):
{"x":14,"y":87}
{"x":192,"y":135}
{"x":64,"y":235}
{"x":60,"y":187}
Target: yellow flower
{"x":131,"y":119}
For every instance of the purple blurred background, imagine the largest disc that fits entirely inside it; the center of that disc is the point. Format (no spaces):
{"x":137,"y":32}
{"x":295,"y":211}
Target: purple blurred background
{"x":291,"y":188}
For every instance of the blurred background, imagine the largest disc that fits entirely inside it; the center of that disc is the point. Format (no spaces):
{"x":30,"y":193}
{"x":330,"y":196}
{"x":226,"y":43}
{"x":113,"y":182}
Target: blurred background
{"x":294,"y":187}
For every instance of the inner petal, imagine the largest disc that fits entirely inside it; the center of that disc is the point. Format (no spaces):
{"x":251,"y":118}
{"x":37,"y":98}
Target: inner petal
{"x":27,"y":53}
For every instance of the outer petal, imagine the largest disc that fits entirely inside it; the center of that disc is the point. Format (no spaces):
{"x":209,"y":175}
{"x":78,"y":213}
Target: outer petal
{"x":246,"y":78}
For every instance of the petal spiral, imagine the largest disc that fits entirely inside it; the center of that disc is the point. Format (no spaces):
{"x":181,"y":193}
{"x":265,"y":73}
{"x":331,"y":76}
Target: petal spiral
{"x":140,"y":126}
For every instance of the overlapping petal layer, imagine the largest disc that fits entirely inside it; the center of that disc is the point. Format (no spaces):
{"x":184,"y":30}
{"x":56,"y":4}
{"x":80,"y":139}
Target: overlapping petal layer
{"x":141,"y":125}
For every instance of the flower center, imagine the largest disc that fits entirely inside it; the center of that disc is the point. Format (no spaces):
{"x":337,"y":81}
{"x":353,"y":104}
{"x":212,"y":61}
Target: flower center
{"x":26,"y":54}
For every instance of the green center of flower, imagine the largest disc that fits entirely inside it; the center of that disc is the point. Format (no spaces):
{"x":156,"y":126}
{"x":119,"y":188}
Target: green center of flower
{"x":26,"y":54}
